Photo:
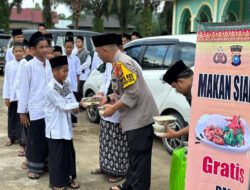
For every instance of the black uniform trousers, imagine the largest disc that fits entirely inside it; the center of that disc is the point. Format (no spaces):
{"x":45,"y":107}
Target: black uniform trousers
{"x":140,"y":143}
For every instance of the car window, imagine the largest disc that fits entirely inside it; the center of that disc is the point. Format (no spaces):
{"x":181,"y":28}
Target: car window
{"x":4,"y":42}
{"x":188,"y":55}
{"x":154,"y":56}
{"x":133,"y":52}
{"x":60,"y":41}
{"x":92,"y":44}
{"x":169,"y":56}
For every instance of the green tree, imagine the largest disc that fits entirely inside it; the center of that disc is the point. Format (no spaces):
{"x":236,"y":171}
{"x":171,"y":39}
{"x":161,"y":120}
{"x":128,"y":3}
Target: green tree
{"x":37,"y":7}
{"x":165,"y":17}
{"x":76,"y":6}
{"x":61,"y":16}
{"x":121,"y":9}
{"x":145,"y":9}
{"x":5,"y":11}
{"x":47,"y":15}
{"x":99,"y":8}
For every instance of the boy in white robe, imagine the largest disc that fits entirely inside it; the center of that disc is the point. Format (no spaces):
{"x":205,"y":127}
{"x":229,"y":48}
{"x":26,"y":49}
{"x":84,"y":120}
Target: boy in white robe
{"x":10,"y":96}
{"x":74,"y":67}
{"x":35,"y":76}
{"x":60,"y":103}
{"x":17,"y":36}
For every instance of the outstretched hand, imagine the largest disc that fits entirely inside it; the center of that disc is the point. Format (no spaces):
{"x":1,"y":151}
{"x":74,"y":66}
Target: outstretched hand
{"x":170,"y":133}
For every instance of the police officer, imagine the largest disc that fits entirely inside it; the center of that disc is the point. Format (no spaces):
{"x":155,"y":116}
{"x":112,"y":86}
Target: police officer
{"x":137,"y":107}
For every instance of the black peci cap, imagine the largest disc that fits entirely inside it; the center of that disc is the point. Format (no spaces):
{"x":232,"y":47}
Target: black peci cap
{"x":136,"y":34}
{"x":173,"y":72}
{"x":105,"y":39}
{"x":126,"y":36}
{"x":119,"y":40}
{"x":48,"y":36}
{"x":35,"y":38}
{"x":58,"y":61}
{"x":41,"y":25}
{"x":69,"y":39}
{"x":69,"y":34}
{"x":57,"y":49}
{"x":16,"y":32}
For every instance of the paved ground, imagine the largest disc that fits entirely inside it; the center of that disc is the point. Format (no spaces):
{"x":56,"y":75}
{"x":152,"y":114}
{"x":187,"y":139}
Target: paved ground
{"x":12,"y":177}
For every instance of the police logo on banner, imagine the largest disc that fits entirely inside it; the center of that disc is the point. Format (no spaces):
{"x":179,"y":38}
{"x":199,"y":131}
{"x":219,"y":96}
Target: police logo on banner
{"x":236,"y":54}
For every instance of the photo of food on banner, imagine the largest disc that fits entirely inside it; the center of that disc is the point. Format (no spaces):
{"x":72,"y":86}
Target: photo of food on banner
{"x":228,"y":133}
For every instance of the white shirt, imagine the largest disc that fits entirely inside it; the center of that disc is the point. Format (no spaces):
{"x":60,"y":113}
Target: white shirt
{"x":96,"y":61}
{"x":74,"y":70}
{"x":60,"y":101}
{"x":9,"y":55}
{"x":115,"y":118}
{"x":18,"y":77}
{"x":34,"y":80}
{"x":85,"y":67}
{"x":11,"y":70}
{"x":74,"y":51}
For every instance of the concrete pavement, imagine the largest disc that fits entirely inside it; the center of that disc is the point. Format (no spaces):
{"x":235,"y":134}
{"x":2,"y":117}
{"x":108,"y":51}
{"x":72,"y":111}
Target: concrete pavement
{"x":86,"y":143}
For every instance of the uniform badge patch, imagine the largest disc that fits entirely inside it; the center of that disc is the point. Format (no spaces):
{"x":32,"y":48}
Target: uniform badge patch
{"x":126,"y":76}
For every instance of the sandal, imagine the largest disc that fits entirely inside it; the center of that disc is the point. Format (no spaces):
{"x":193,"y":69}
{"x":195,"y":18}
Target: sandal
{"x":21,"y":153}
{"x":24,"y":165}
{"x":33,"y":175}
{"x":57,"y":188}
{"x":73,"y":185}
{"x":9,"y":143}
{"x":115,"y":179}
{"x":118,"y":187}
{"x":96,"y":171}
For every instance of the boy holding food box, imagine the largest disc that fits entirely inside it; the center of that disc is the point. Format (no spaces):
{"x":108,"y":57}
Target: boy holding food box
{"x":60,"y":103}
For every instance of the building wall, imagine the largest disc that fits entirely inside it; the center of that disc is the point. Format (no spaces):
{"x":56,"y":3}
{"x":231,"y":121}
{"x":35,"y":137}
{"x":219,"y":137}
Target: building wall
{"x":218,"y":10}
{"x":23,"y":25}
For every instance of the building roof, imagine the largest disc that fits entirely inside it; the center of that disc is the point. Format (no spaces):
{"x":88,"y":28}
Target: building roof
{"x":30,"y":15}
{"x":111,"y":22}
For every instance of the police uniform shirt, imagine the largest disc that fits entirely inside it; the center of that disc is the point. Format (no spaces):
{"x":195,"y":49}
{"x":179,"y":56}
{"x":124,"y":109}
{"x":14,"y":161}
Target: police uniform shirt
{"x":130,"y":87}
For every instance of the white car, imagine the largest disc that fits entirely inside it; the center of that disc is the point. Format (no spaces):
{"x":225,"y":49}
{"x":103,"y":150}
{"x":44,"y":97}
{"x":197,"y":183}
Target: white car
{"x":156,"y":55}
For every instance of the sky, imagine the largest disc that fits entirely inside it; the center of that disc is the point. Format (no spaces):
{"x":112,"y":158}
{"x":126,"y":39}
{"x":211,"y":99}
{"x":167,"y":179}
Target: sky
{"x":60,"y":9}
